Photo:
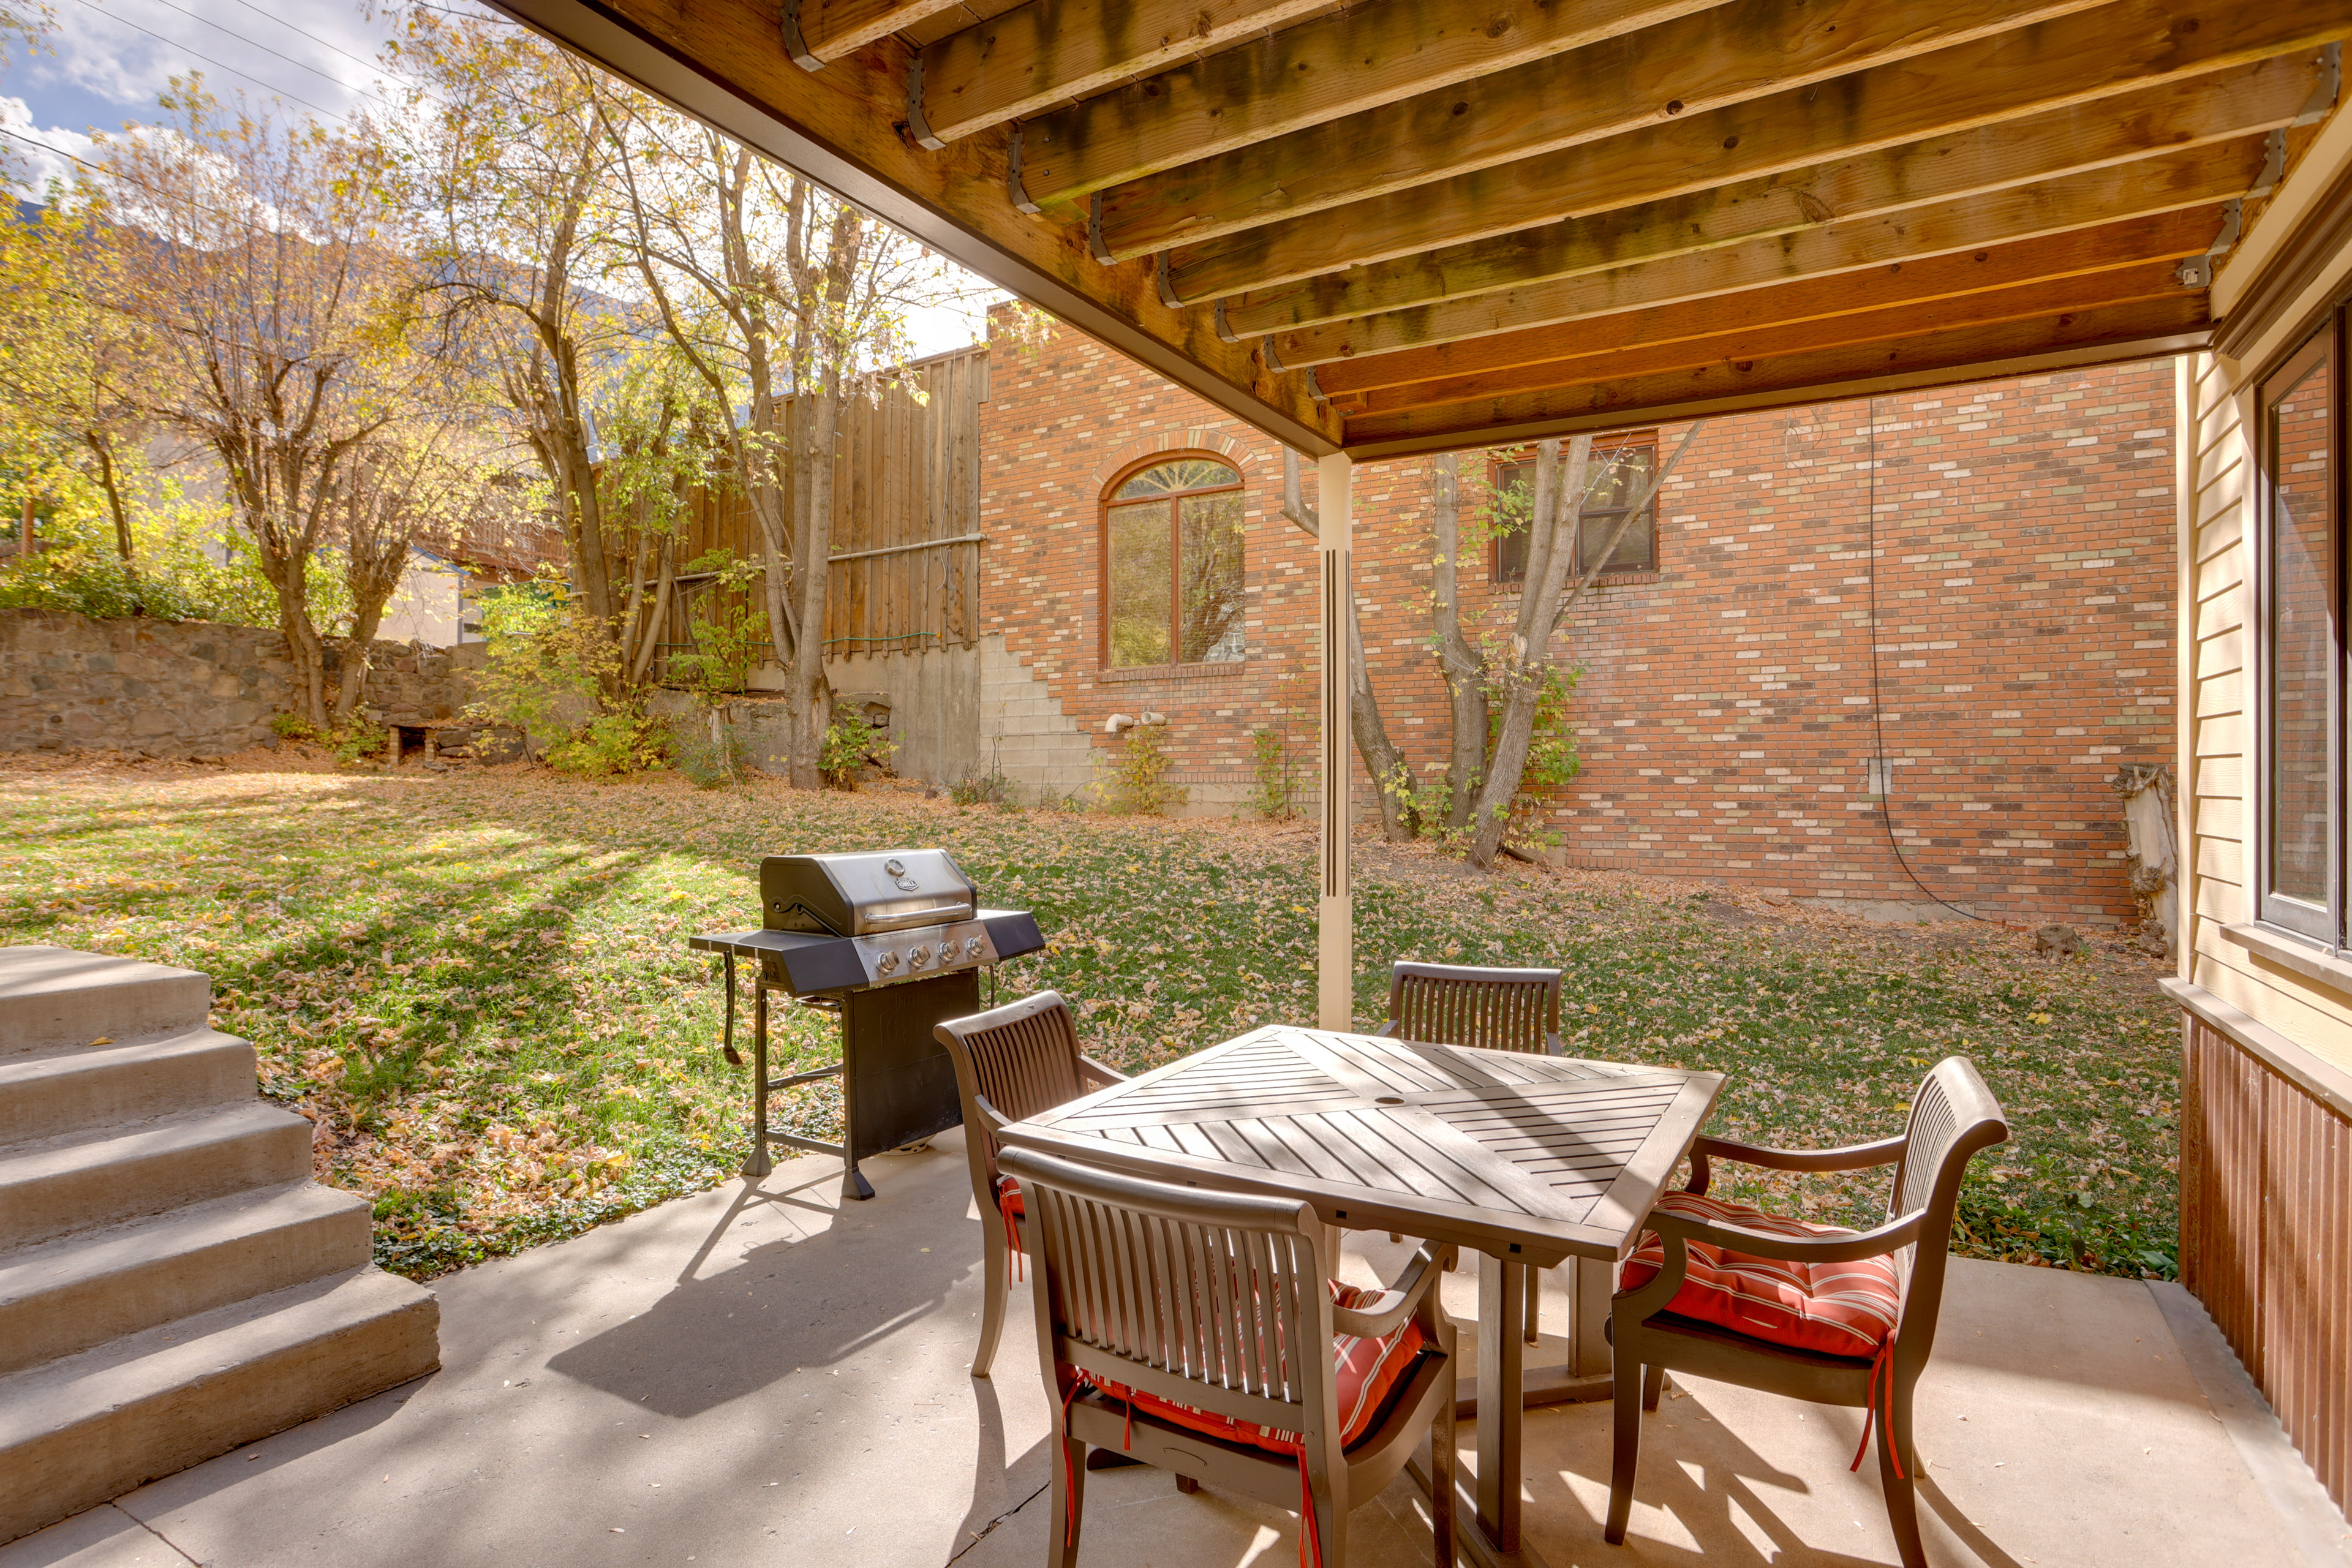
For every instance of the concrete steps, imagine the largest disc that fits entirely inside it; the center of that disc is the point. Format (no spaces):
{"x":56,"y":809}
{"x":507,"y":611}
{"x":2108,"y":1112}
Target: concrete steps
{"x":84,"y":1180}
{"x":61,"y":1298}
{"x":172,"y":1284}
{"x":48,"y":1093}
{"x":52,"y":996}
{"x":78,"y":1431}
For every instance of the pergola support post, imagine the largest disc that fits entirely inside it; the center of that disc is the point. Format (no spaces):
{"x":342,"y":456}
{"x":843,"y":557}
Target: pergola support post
{"x":1335,"y":910}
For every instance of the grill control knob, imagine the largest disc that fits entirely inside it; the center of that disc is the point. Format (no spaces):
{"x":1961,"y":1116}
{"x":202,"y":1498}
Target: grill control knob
{"x":917,"y":957}
{"x":973,"y":946}
{"x":886,"y":962}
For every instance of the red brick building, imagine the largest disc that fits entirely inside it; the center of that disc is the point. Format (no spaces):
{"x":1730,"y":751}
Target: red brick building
{"x":1730,"y":705}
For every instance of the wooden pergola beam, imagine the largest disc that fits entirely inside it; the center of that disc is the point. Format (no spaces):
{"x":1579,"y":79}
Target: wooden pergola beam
{"x":2006,"y":233}
{"x":1358,"y":59}
{"x":1722,"y":332}
{"x":1050,"y":51}
{"x":816,"y":31}
{"x":2076,"y":60}
{"x":1692,"y":64}
{"x":2103,"y":336}
{"x":2172,"y":117}
{"x":724,"y":62}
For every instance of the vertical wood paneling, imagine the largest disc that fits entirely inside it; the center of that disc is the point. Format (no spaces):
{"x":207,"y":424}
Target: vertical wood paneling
{"x":906,"y":471}
{"x":2267,"y":1239}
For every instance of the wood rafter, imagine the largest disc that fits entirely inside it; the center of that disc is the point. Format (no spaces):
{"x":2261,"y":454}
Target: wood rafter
{"x":2074,"y":60}
{"x":2057,"y":217}
{"x":2173,"y":117}
{"x":828,"y":29}
{"x":1398,"y":225}
{"x":2088,"y":337}
{"x":1708,"y":61}
{"x":1048,"y":51}
{"x":1806,"y":318}
{"x":1362,"y":58}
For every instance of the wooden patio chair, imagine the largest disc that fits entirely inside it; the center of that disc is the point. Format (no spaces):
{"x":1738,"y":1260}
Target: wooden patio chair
{"x":1010,"y":1062}
{"x":1201,"y":1332}
{"x":1838,"y":1317}
{"x":1494,"y":1009}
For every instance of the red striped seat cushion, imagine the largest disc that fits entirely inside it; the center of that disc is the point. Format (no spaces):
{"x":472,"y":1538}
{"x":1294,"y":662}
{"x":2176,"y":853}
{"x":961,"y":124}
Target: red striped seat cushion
{"x":1840,"y":1308}
{"x":1368,"y":1372}
{"x":1008,"y":1196}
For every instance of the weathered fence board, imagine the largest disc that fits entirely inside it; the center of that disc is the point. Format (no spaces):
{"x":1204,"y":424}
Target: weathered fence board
{"x":906,"y":510}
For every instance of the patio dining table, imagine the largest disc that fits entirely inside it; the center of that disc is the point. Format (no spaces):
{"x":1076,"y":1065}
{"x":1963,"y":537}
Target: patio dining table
{"x":1527,"y":1161}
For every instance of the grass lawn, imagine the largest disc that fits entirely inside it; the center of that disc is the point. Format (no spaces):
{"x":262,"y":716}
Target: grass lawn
{"x":477,"y":985}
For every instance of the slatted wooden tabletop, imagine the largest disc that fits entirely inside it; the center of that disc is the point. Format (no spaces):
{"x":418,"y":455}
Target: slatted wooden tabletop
{"x":1537,"y":1159}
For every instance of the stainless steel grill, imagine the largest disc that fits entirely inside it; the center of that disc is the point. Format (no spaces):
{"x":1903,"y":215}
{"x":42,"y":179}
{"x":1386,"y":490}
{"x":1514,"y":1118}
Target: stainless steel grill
{"x":892,"y":942}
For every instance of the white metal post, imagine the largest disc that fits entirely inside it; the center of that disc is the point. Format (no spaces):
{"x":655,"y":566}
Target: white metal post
{"x":1335,"y":910}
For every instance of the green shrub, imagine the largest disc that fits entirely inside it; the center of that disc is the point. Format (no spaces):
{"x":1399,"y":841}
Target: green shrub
{"x":1274,"y":795}
{"x":694,"y":753}
{"x":850,"y":743}
{"x":1139,"y":782}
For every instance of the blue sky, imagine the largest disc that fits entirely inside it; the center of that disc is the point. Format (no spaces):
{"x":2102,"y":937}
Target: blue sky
{"x":107,"y":60}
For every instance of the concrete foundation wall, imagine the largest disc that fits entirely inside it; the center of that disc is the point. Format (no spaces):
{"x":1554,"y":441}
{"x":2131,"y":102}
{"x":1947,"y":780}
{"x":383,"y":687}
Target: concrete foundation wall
{"x":935,"y":698}
{"x":1023,"y":731}
{"x":188,"y":688}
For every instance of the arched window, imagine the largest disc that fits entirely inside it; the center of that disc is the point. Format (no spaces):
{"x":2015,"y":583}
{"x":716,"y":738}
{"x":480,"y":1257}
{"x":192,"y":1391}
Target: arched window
{"x":1172,"y":564}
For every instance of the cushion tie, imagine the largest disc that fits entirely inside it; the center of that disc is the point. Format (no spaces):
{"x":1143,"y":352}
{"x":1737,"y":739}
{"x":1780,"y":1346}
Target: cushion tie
{"x":1008,"y":1204}
{"x":1310,"y":1540}
{"x":1882,"y":1362}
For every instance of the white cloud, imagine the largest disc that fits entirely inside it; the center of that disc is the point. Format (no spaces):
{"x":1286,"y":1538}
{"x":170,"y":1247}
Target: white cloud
{"x":35,"y":157}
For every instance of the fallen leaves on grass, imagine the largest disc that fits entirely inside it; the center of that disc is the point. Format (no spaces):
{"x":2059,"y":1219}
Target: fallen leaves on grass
{"x":477,"y":984}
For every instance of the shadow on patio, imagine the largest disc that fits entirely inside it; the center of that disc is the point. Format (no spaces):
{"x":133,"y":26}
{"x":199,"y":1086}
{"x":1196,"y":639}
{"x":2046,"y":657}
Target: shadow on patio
{"x":758,"y":1378}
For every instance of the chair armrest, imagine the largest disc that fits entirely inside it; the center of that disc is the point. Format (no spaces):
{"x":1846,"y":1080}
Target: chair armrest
{"x":1853,"y":1157}
{"x":1875,"y":1243}
{"x":1386,"y":1031}
{"x":1090,"y":1069}
{"x":992,"y":1120}
{"x":1420,"y":1277}
{"x":1678,"y":1231}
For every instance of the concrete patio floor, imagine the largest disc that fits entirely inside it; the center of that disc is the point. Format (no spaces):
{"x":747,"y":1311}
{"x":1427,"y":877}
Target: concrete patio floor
{"x":764,"y":1378}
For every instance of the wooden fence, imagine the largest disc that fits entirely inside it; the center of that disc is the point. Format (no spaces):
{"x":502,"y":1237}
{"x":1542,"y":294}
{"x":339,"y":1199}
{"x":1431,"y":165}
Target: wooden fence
{"x":906,"y":517}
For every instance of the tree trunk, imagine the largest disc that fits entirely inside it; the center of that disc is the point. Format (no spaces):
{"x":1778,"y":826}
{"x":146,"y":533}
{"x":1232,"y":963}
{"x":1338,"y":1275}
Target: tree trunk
{"x":1518,"y":672}
{"x":110,"y":482}
{"x":1559,"y":518}
{"x":808,"y":696}
{"x":1465,"y":672}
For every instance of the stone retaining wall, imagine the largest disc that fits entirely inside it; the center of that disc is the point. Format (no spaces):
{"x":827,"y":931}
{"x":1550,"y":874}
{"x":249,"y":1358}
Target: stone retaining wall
{"x":174,"y":689}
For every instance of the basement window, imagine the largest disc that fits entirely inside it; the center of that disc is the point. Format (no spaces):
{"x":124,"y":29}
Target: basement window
{"x":1621,"y":467}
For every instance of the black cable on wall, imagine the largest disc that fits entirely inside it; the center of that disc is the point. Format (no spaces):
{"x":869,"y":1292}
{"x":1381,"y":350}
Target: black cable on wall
{"x":1878,"y":706}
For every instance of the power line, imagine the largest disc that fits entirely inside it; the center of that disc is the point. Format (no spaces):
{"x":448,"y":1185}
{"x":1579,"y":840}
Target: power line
{"x":314,"y":38}
{"x":246,"y":75}
{"x":107,"y":173}
{"x":265,"y":48}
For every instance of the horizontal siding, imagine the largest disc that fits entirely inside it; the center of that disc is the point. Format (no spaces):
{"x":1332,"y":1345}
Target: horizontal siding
{"x":2220,"y":861}
{"x":2223,"y":775}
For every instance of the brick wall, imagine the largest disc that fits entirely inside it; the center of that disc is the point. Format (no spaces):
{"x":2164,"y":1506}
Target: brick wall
{"x":1725,"y":714}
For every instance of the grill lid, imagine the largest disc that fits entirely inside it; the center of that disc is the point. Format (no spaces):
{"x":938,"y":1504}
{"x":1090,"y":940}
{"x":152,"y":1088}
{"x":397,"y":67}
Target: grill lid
{"x":852,"y":895}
